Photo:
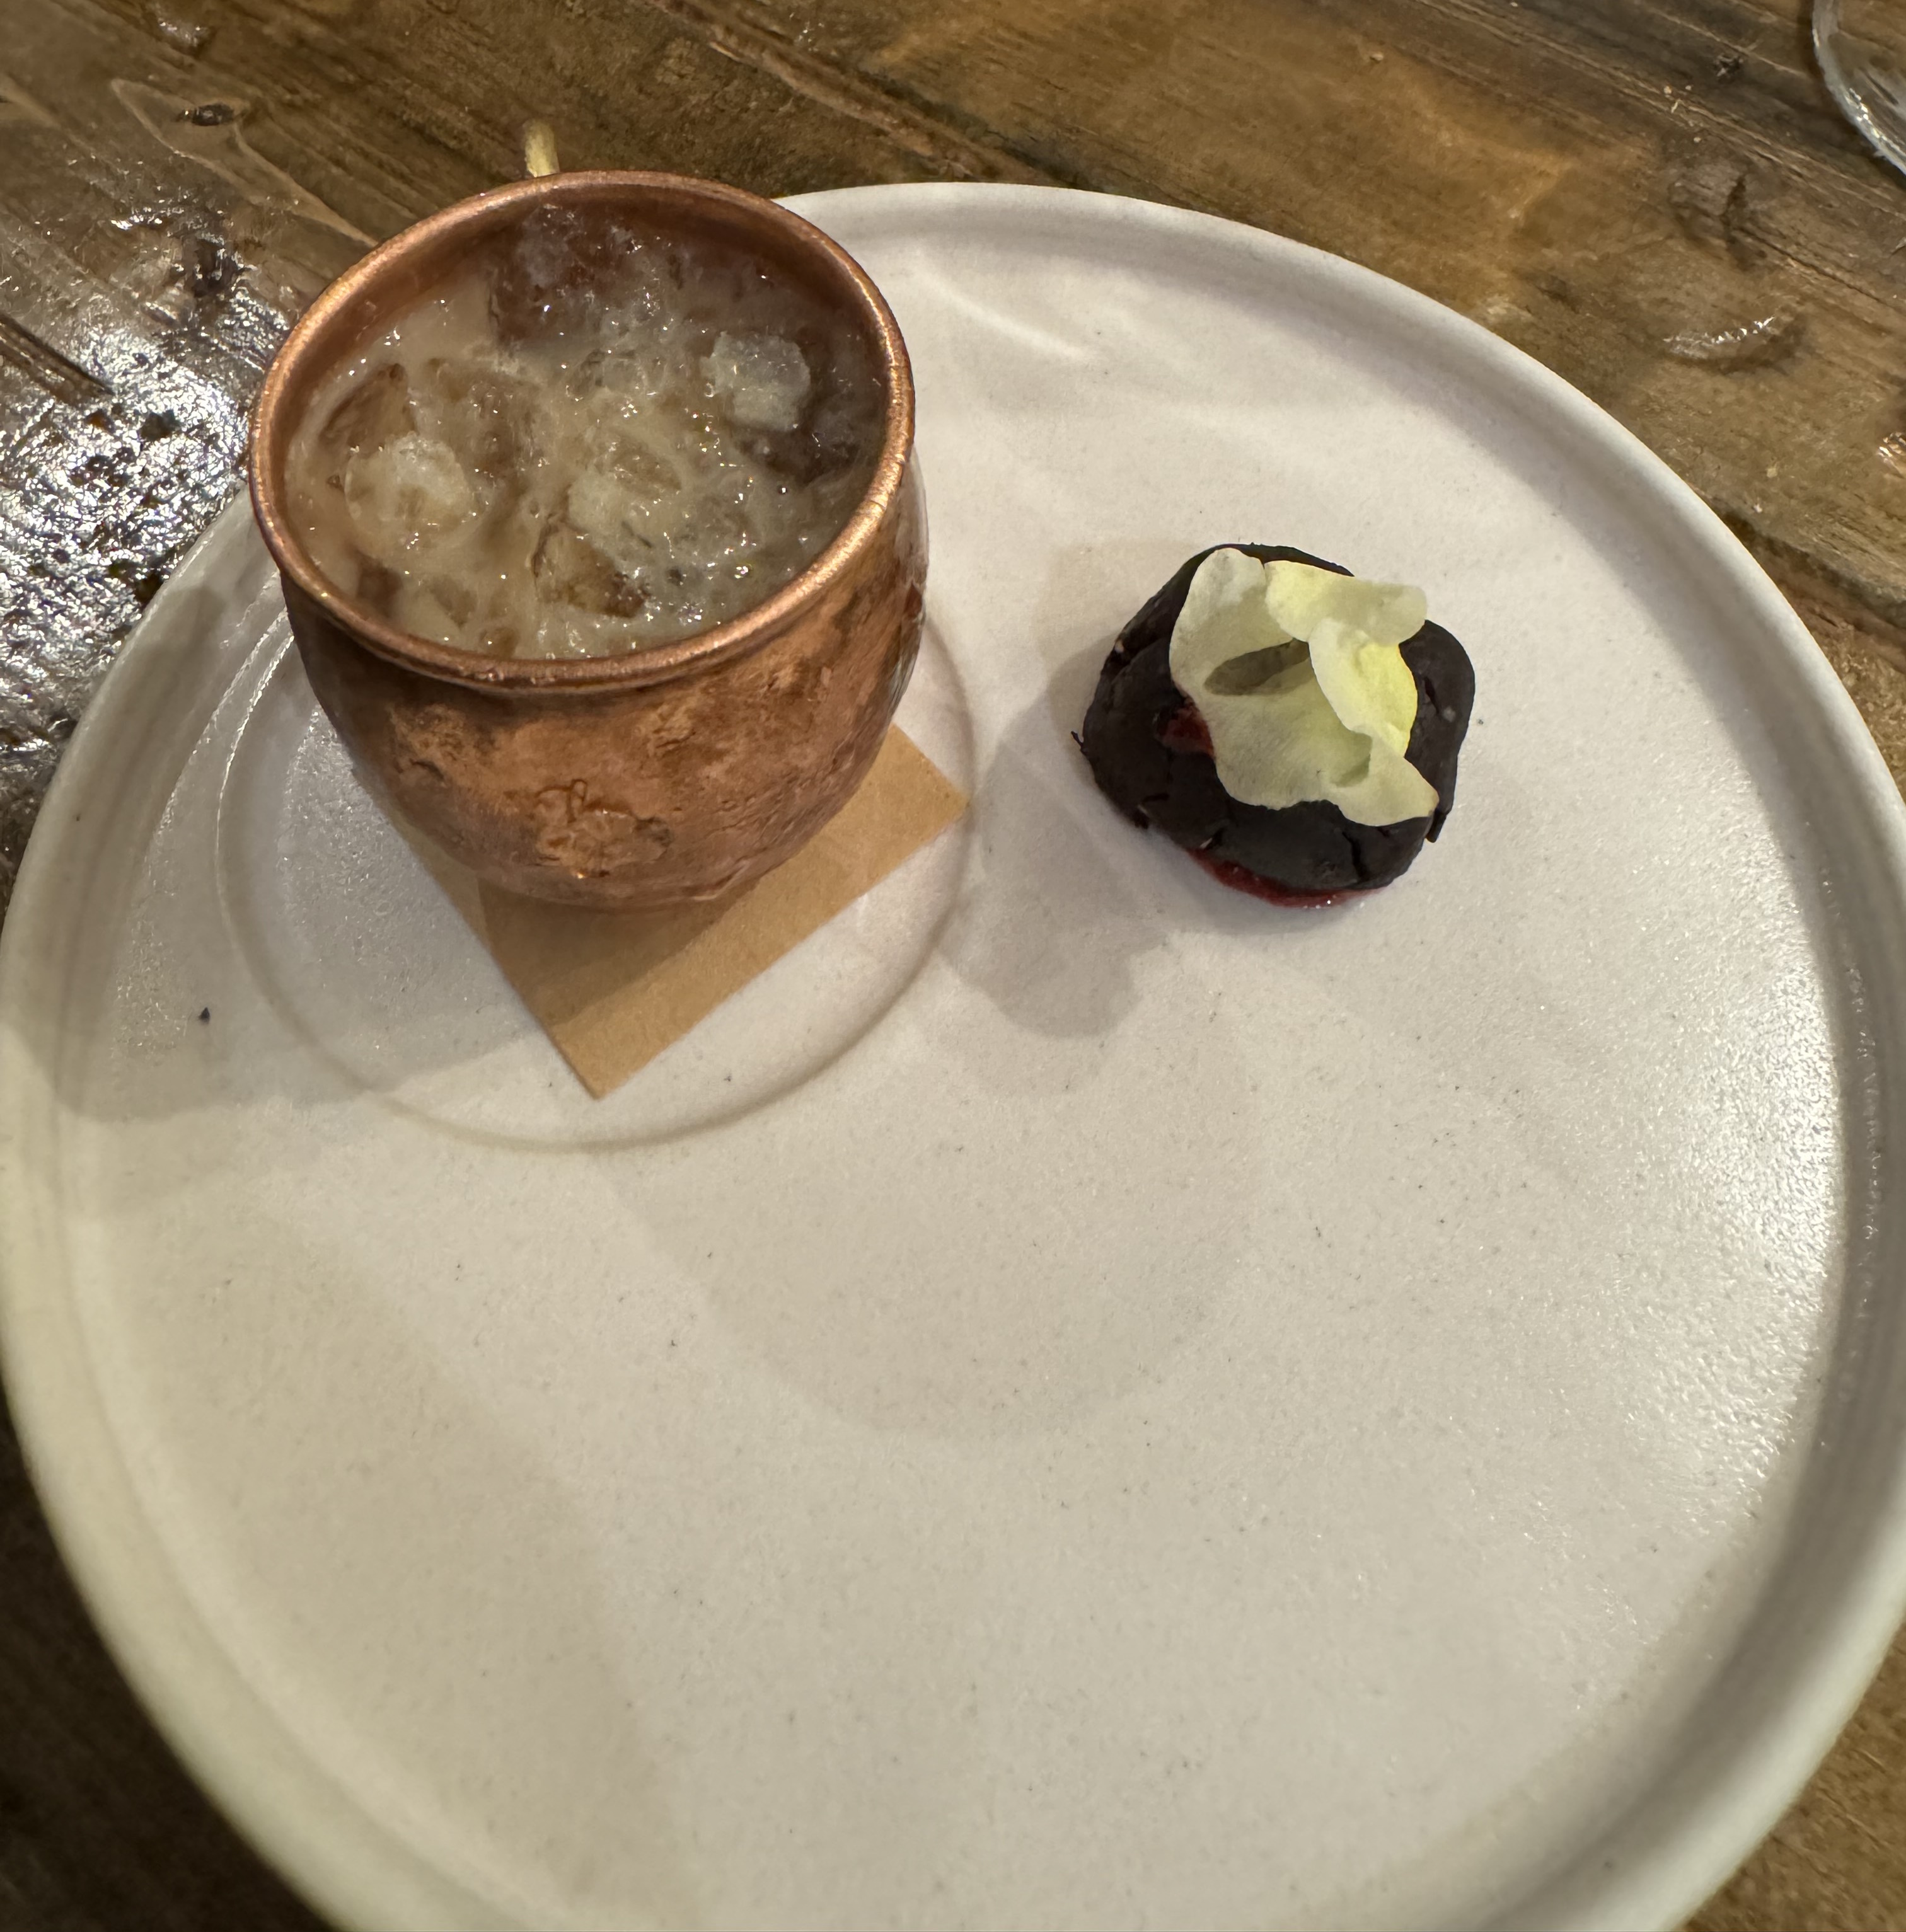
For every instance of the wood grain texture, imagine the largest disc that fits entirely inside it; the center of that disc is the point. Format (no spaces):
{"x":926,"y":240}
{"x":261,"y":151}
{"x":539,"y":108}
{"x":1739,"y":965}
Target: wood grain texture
{"x":1653,"y":197}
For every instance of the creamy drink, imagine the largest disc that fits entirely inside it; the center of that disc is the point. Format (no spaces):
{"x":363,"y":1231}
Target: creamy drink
{"x":589,"y":439}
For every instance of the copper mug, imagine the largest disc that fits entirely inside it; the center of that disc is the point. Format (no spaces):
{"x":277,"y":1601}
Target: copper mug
{"x":657,"y":775}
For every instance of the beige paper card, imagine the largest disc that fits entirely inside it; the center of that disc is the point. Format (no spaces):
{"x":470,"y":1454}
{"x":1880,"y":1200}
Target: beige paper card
{"x":612,"y":989}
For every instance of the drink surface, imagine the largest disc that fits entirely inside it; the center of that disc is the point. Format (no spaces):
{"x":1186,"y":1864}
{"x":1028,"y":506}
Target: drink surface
{"x":590,"y":438}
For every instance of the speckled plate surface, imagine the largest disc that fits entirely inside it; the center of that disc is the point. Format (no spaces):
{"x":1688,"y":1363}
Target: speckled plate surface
{"x":1079,"y":1400}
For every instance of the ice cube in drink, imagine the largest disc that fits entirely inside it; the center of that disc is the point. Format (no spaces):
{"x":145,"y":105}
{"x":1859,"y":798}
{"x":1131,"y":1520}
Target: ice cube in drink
{"x":588,"y":439}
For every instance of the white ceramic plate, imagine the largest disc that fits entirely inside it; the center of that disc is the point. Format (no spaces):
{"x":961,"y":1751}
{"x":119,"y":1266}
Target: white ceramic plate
{"x":1079,"y":1400}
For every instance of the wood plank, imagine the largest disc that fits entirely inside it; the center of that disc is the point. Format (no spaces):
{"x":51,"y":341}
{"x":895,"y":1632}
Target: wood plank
{"x":1657,"y":203}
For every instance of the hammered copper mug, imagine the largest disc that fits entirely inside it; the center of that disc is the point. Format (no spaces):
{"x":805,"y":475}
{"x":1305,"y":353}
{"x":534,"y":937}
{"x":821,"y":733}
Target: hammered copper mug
{"x":654,"y":776}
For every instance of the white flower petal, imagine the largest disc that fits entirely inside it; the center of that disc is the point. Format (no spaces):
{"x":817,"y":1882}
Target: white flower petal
{"x":1225,"y":616}
{"x":1391,"y":790}
{"x":1282,"y":744}
{"x":1369,"y":687}
{"x":1333,"y":725}
{"x":1301,"y":596}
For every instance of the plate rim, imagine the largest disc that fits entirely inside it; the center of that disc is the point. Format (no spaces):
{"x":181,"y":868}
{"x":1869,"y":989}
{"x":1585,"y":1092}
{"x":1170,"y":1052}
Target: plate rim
{"x":1651,"y":1871}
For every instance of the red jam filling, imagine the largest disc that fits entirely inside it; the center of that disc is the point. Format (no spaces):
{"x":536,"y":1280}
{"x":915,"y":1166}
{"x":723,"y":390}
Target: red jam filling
{"x":1228,"y":872}
{"x":1186,"y":730}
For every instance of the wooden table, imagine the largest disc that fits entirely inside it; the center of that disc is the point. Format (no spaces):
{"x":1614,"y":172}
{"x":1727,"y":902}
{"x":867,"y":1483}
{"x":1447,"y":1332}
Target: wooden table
{"x":1654,"y":196}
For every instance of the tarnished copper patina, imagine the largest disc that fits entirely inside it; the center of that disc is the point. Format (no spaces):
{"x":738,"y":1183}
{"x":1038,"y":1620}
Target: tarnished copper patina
{"x":645,"y":779}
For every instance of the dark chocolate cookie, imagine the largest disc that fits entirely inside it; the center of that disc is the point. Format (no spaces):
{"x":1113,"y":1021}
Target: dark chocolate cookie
{"x":1143,"y":737}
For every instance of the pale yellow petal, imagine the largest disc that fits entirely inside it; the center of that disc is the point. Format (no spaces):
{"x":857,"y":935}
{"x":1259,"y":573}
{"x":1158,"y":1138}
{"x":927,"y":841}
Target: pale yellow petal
{"x":1369,"y":687}
{"x":1300,"y":596}
{"x":1332,"y":725}
{"x":1391,"y":790}
{"x":1282,"y":746}
{"x":1225,"y":616}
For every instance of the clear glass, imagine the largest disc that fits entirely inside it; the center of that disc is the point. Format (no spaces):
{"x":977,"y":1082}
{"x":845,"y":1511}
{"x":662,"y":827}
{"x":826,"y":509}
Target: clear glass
{"x":1861,"y":46}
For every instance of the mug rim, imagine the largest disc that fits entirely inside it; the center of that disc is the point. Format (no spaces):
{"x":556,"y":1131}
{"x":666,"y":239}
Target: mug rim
{"x":349,"y":307}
